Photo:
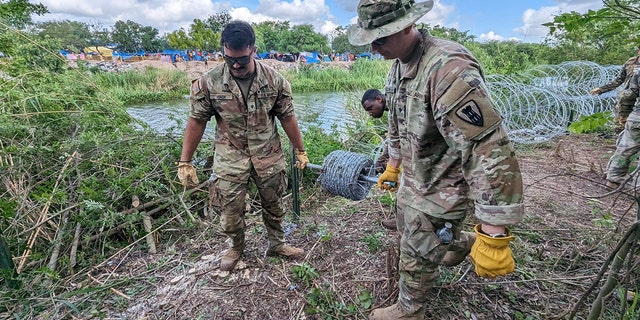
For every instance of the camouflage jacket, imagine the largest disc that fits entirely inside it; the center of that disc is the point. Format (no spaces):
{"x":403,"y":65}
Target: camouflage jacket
{"x":456,"y":155}
{"x":623,"y":76}
{"x":246,"y":133}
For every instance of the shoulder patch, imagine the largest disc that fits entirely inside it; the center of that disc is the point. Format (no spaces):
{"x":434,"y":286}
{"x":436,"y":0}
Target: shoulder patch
{"x":195,"y":86}
{"x":475,"y":116}
{"x":471,"y":113}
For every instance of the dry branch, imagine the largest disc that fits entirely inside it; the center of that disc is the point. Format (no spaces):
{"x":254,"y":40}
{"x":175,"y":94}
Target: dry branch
{"x":43,"y":214}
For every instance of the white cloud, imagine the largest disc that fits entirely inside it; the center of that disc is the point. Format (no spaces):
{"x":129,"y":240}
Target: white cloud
{"x":439,"y":15}
{"x":296,"y":11}
{"x":161,"y":14}
{"x":533,"y":19}
{"x":490,"y":36}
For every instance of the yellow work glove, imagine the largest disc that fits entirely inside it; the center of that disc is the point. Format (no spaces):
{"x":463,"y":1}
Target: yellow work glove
{"x":391,"y":175}
{"x":187,"y":175}
{"x":303,"y":160}
{"x":595,"y":91}
{"x":492,"y":256}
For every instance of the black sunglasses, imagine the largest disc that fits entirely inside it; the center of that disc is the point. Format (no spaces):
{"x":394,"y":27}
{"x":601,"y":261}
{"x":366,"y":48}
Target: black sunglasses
{"x":243,"y":61}
{"x":380,"y":41}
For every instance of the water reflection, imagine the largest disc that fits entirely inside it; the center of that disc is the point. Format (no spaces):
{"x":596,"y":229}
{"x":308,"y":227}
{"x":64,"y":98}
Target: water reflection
{"x":324,"y":109}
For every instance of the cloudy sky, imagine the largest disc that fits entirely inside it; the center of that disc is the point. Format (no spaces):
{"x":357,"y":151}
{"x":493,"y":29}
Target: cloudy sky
{"x":487,"y":20}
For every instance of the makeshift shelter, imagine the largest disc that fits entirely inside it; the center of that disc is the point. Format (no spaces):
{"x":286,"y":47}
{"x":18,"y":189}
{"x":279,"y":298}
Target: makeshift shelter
{"x":103,"y":51}
{"x":310,"y":57}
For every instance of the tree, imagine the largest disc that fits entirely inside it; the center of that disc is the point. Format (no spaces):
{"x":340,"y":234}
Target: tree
{"x":200,"y":36}
{"x":179,"y":39}
{"x":605,"y":36}
{"x":218,"y":21}
{"x":269,"y":34}
{"x":449,"y":33}
{"x":131,"y":36}
{"x":100,"y":35}
{"x":303,"y":38}
{"x":203,"y":37}
{"x":17,"y":13}
{"x":340,"y":43}
{"x":72,"y":34}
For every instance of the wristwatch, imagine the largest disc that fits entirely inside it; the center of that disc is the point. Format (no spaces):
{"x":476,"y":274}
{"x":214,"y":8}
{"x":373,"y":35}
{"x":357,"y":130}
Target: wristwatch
{"x":497,"y":235}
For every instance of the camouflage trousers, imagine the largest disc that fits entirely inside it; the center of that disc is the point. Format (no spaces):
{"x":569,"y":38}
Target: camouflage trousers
{"x":627,"y":145}
{"x":625,"y":101}
{"x":421,"y":252}
{"x":227,"y":197}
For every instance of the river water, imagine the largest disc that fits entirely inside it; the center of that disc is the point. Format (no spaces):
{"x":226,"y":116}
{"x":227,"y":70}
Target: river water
{"x":323,"y":109}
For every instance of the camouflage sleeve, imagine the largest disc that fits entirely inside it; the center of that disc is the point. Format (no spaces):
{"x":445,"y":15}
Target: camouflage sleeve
{"x":200,"y":100}
{"x":393,"y":146}
{"x":472,"y":126}
{"x":622,"y":75}
{"x":284,"y":104}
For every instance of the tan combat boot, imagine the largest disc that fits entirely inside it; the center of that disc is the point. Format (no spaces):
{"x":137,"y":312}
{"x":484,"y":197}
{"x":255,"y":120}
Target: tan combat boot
{"x":611,"y":185}
{"x":230,"y":259}
{"x":390,"y":224}
{"x":392,"y":312}
{"x":286,"y":250}
{"x":454,"y":258}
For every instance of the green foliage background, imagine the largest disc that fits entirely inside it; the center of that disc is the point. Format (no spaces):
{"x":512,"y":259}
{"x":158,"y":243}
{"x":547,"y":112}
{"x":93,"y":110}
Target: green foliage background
{"x":70,"y":151}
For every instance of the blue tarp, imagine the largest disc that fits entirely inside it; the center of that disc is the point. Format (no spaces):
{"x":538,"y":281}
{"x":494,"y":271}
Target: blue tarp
{"x":124,"y":56}
{"x":173,"y":53}
{"x":310,"y":57}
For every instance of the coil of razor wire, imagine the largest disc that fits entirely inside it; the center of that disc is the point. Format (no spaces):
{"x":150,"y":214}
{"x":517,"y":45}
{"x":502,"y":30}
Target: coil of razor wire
{"x":540,"y":103}
{"x":341,"y":172}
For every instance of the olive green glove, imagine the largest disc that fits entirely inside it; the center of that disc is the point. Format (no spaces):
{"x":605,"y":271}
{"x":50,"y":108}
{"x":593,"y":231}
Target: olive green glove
{"x":303,"y":160}
{"x":187,"y":175}
{"x":391,"y":176}
{"x":595,"y":91}
{"x":491,"y":256}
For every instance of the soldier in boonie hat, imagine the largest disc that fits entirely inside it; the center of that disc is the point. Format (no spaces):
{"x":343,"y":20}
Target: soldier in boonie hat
{"x":443,"y":130}
{"x":381,"y":18}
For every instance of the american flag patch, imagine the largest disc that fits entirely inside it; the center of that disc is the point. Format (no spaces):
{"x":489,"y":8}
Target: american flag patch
{"x":195,"y":86}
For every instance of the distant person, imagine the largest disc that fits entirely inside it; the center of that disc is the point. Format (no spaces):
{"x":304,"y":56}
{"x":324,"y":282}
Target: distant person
{"x":626,"y":97}
{"x":447,"y":138}
{"x":374,"y":103}
{"x":245,"y":97}
{"x":628,"y":143}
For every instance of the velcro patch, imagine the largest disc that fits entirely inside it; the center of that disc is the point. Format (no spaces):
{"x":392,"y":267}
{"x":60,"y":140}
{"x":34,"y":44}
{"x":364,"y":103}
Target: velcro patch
{"x":196,"y":87}
{"x":475,"y":116}
{"x":471,"y":113}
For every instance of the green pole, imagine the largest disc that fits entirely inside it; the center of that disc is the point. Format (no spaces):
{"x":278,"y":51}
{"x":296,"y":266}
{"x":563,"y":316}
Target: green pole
{"x":294,"y":184}
{"x":7,"y":268}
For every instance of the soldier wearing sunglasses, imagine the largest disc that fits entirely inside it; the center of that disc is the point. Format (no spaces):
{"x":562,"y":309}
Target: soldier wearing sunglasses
{"x":245,"y":97}
{"x":448,"y":139}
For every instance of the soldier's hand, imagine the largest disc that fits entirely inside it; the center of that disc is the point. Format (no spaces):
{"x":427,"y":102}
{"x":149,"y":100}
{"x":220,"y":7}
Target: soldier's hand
{"x":302,"y":159}
{"x":391,"y":174}
{"x":491,"y":256}
{"x":187,"y":175}
{"x":595,"y":91}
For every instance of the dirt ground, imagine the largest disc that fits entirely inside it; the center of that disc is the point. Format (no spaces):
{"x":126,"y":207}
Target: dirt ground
{"x":572,"y":225}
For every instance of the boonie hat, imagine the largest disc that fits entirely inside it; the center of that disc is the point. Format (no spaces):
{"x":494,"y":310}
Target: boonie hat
{"x":381,"y":18}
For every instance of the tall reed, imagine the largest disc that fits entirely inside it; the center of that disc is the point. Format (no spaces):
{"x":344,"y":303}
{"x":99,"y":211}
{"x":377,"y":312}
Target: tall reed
{"x":363,"y":74}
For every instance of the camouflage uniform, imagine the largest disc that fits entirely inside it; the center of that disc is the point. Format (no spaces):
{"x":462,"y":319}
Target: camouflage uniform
{"x":456,"y":159}
{"x":628,"y":143}
{"x":247,"y":145}
{"x":625,"y":97}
